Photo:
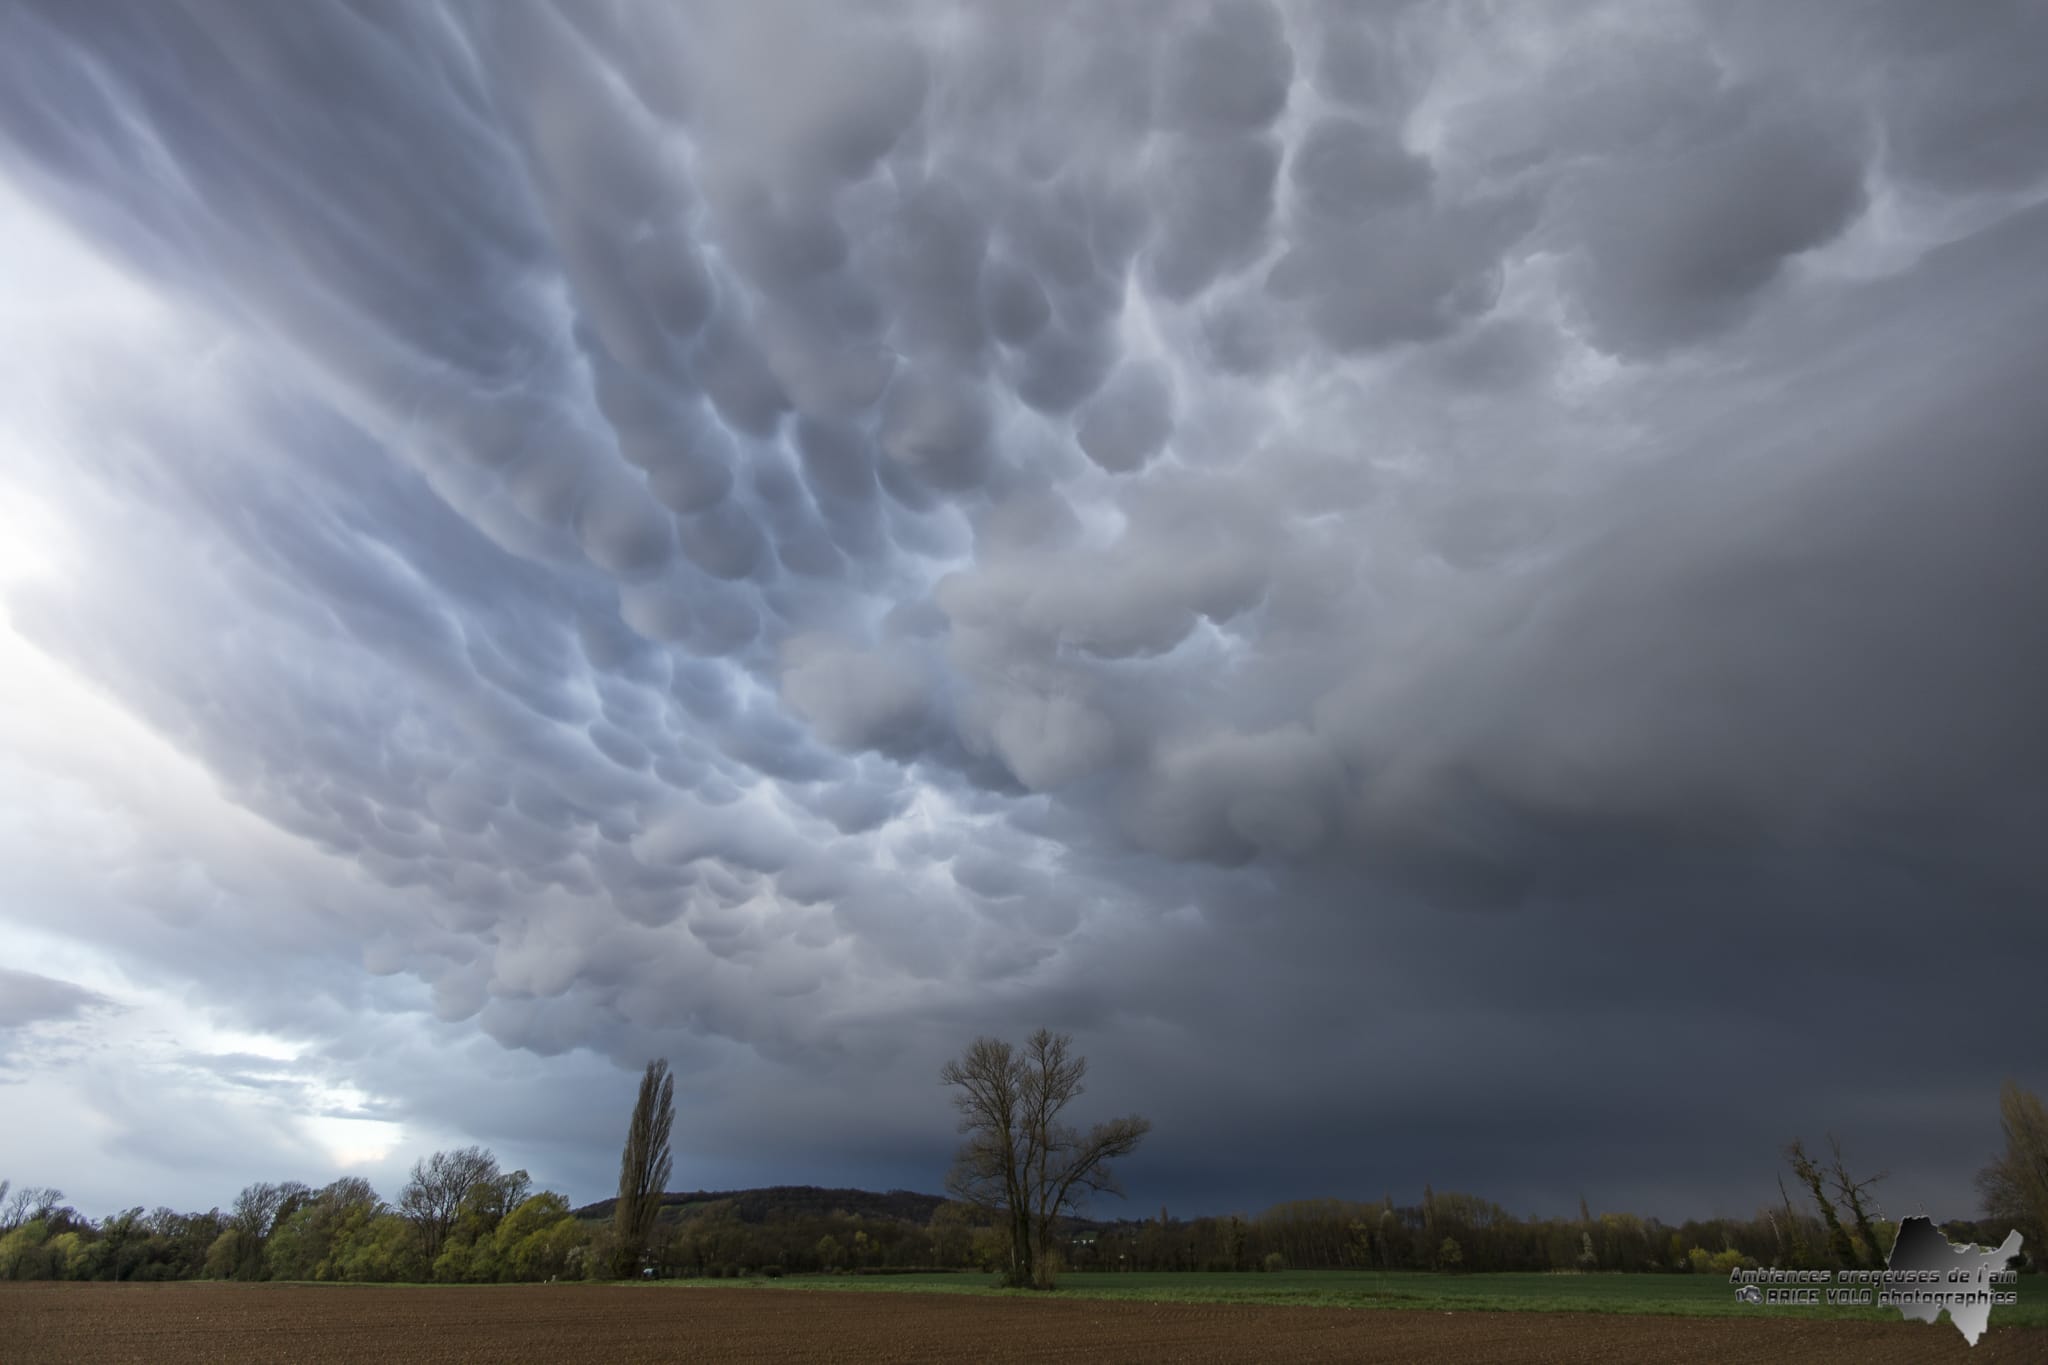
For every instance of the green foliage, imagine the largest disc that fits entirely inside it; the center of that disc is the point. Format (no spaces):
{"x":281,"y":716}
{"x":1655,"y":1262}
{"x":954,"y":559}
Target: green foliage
{"x":67,"y":1253}
{"x":2015,"y":1184}
{"x":1656,"y":1294}
{"x":21,"y":1253}
{"x":224,"y":1257}
{"x":385,"y":1250}
{"x":536,"y":1239}
{"x":600,"y":1257}
{"x":498,"y":1230}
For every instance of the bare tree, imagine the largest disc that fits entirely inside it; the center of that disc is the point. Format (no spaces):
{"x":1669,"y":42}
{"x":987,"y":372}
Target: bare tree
{"x":30,"y":1203}
{"x":433,"y":1197}
{"x":644,"y":1165}
{"x":1020,"y":1164}
{"x":499,"y":1197}
{"x":259,"y":1208}
{"x":351,"y":1193}
{"x":255,"y":1209}
{"x":988,"y":1173}
{"x":1795,"y":1229}
{"x":2015,"y":1186}
{"x":1811,"y":1176}
{"x":1852,"y":1193}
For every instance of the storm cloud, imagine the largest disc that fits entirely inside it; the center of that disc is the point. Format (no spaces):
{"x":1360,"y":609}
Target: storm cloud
{"x":1455,"y":592}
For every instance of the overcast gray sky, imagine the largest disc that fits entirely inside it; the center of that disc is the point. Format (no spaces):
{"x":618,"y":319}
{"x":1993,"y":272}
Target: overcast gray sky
{"x":1458,"y":590}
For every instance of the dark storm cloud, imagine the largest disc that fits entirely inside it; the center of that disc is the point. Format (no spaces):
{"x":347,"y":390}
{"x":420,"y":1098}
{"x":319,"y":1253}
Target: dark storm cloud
{"x":782,"y":535}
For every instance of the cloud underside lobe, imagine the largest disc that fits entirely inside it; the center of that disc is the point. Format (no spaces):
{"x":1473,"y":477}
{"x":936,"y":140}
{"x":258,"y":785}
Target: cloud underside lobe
{"x":31,"y":998}
{"x":796,"y":526}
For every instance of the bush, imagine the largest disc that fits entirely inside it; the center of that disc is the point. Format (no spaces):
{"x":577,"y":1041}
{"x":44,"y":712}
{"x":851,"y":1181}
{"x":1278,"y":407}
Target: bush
{"x":1275,"y":1262}
{"x":773,"y":1272}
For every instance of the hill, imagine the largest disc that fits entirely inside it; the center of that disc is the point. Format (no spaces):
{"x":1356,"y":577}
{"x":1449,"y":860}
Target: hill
{"x":786,"y":1203}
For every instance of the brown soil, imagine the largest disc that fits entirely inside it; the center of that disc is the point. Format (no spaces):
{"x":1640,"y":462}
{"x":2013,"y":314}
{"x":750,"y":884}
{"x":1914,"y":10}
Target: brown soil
{"x":175,"y":1323}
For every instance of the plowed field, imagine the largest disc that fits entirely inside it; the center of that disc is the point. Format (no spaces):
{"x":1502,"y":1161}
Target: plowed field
{"x":175,"y":1323}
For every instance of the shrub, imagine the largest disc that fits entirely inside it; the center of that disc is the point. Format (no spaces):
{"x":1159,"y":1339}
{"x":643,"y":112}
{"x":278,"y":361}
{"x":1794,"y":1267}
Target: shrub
{"x":1275,"y":1262}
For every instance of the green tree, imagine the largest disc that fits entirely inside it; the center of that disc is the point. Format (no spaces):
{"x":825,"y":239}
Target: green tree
{"x":229,"y":1254}
{"x":383,"y":1249}
{"x":2015,"y":1185}
{"x":470,"y":1250}
{"x":1020,"y":1163}
{"x":303,"y":1242}
{"x":952,"y":1227}
{"x":432,"y":1199}
{"x":644,"y":1165}
{"x":535,"y":1239}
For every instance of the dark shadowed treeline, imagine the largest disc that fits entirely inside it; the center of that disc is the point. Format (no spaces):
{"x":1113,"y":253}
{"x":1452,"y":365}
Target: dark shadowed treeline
{"x":1446,"y":1231}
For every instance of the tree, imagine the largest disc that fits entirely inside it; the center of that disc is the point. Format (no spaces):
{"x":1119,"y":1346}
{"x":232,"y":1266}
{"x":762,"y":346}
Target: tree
{"x":535,"y":1238}
{"x":304,"y":1242}
{"x":2015,"y":1186}
{"x":1794,"y":1230}
{"x":30,"y":1204}
{"x":1020,"y":1164}
{"x":1811,"y":1176}
{"x":433,"y":1197}
{"x":1852,"y":1194}
{"x":644,"y":1165}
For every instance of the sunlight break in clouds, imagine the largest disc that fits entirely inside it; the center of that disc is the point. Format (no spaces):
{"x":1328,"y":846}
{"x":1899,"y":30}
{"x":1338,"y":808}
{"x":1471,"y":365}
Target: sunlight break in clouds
{"x":1467,"y":550}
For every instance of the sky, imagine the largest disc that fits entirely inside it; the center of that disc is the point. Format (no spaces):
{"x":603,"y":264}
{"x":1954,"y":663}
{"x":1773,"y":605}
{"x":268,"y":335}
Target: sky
{"x":1455,"y":590}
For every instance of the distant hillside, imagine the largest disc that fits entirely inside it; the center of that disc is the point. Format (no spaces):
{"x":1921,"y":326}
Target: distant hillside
{"x":785,"y":1203}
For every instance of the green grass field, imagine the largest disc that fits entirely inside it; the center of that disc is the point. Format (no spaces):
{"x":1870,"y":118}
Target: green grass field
{"x":1680,"y":1295}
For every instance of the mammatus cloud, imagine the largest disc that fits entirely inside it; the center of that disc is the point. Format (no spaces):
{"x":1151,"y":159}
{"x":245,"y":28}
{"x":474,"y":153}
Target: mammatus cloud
{"x":1420,"y":545}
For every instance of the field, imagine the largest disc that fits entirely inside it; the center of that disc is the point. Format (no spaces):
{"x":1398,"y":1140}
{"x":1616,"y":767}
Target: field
{"x":1668,"y":1295}
{"x":173,"y":1323}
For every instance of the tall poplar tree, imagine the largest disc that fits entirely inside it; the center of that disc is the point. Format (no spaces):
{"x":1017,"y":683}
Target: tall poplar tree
{"x":644,"y":1165}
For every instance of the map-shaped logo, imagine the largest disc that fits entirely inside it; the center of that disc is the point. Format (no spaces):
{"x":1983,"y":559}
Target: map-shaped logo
{"x":1957,"y":1278}
{"x":1749,"y":1293}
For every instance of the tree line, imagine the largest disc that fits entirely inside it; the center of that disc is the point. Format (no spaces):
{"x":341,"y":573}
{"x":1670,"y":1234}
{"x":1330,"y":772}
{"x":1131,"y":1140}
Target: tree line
{"x":460,"y":1218}
{"x":1016,"y":1212}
